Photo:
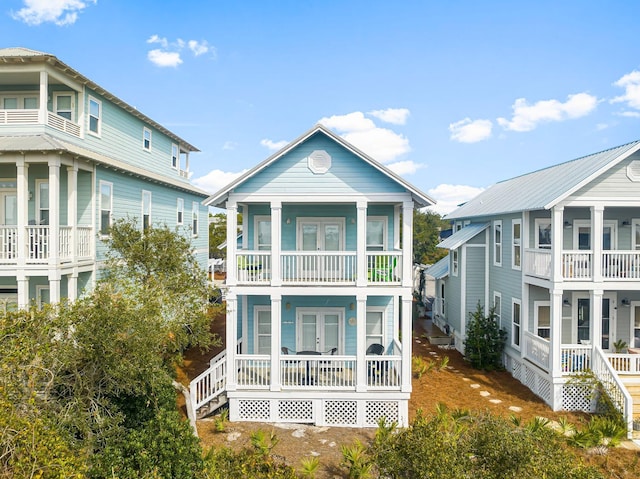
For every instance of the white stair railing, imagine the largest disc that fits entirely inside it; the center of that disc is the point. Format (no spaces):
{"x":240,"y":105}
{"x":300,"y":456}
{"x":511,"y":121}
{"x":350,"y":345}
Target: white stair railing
{"x":211,"y":383}
{"x":614,"y":387}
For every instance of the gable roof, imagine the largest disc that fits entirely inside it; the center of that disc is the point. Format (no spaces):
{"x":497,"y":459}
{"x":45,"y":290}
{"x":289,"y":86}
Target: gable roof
{"x":440,"y":269}
{"x":459,"y":238}
{"x":218,"y":199}
{"x":543,"y":189}
{"x":20,"y":55}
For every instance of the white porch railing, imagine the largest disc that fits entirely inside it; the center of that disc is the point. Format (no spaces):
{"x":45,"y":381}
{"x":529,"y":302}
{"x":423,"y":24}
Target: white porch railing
{"x":577,"y":264}
{"x":84,"y":236}
{"x":318,"y":267}
{"x":625,"y":363}
{"x":254,"y":371}
{"x":253,"y":266}
{"x":8,"y":244}
{"x":575,"y":358}
{"x":32,"y":117}
{"x":64,"y":242}
{"x":211,"y":383}
{"x":62,"y":124}
{"x":621,"y":265}
{"x":326,"y":372}
{"x":537,"y":262}
{"x":610,"y":381}
{"x":384,"y":267}
{"x":384,"y":372}
{"x":37,"y":244}
{"x":536,"y":349}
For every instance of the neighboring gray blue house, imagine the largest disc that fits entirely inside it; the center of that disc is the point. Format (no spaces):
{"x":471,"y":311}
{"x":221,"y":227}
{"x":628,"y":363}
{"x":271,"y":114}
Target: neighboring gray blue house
{"x":74,"y":157}
{"x":319,"y":299}
{"x":557,"y":253}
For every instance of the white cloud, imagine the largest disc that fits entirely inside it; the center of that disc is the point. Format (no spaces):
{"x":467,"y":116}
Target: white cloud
{"x":470,"y":131}
{"x":630,"y":114}
{"x":448,"y":197}
{"x":216,"y":179}
{"x":403,"y":168}
{"x":631,"y":84}
{"x":60,"y":12}
{"x":396,"y":116}
{"x":382,"y":144}
{"x":527,"y":117}
{"x":164,"y":59}
{"x":273,"y":145}
{"x":229,"y":145}
{"x":169,"y":55}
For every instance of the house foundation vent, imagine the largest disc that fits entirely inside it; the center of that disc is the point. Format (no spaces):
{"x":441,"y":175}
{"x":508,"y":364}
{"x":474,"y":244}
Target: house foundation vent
{"x":375,"y":410}
{"x":341,"y":413}
{"x":253,"y":410}
{"x":300,"y":411}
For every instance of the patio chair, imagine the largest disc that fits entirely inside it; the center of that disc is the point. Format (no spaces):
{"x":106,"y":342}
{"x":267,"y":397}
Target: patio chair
{"x":383,"y":271}
{"x":376,"y":369}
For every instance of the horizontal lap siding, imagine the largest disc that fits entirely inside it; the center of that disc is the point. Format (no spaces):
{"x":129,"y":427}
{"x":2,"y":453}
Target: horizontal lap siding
{"x":611,"y":184}
{"x":348,"y":174}
{"x":475,"y":279}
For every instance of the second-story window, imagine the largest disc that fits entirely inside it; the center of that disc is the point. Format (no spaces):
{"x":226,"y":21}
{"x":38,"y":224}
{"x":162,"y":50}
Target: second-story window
{"x":146,"y":209}
{"x":180,"y":208}
{"x":376,"y":228}
{"x":263,"y":232}
{"x":516,"y":244}
{"x":146,"y":139}
{"x":175,"y":156}
{"x":106,"y":206}
{"x":95,"y":116}
{"x":194,"y":218}
{"x":454,"y":262}
{"x":43,"y":202}
{"x":497,"y":243}
{"x":63,"y":105}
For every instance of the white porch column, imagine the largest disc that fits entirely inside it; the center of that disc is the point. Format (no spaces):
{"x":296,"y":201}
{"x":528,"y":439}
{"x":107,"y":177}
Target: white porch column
{"x":72,"y":285}
{"x":555,"y":335}
{"x":407,"y":244}
{"x":276,"y":318}
{"x":22,"y":194}
{"x":557,"y":223}
{"x":596,"y":318}
{"x":361,"y":343}
{"x":72,"y":210}
{"x":276,"y":243}
{"x":231,"y":340}
{"x":54,"y":228}
{"x":407,"y":322}
{"x":44,"y":97}
{"x":232,"y":228}
{"x":23,"y":290}
{"x":597,"y":229}
{"x":361,"y":243}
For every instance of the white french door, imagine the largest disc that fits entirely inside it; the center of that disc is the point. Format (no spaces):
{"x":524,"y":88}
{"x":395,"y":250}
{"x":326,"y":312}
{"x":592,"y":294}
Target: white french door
{"x":582,"y":320}
{"x":319,"y":330}
{"x":320,"y":234}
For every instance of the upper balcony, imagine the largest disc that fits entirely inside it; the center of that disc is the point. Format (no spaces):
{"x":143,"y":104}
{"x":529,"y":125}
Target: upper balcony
{"x":578,"y":265}
{"x":24,"y":117}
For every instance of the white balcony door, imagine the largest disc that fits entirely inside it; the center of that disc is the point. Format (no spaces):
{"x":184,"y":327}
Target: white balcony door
{"x":583,"y":320}
{"x":321,"y":235}
{"x":319,"y":329}
{"x":582,"y":235}
{"x":9,"y":211}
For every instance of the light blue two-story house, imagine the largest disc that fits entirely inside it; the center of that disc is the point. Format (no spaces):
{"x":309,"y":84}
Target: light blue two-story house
{"x":73,"y":158}
{"x":319,"y":299}
{"x":556,"y":252}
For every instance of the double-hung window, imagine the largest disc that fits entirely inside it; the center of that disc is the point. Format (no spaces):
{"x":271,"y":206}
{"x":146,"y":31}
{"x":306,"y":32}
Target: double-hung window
{"x":106,"y":206}
{"x":516,"y":323}
{"x":516,"y":244}
{"x":42,"y":200}
{"x":376,"y":233}
{"x":263,"y":233}
{"x":194,"y":218}
{"x":497,"y":243}
{"x":497,"y":307}
{"x":375,"y":326}
{"x":175,"y":156}
{"x":543,"y":233}
{"x":262,"y":330}
{"x":180,"y":212}
{"x":64,"y":105}
{"x":95,"y":116}
{"x":146,"y":209}
{"x":146,"y":139}
{"x":454,"y":262}
{"x":542,"y":318}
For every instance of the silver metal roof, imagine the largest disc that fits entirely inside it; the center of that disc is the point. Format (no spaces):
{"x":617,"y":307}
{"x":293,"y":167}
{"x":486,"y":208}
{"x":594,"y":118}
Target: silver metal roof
{"x":439,"y":270}
{"x":544,"y":188}
{"x":459,"y":238}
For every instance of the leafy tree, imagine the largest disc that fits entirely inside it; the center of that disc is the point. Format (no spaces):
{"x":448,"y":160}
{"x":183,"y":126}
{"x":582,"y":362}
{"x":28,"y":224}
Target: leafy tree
{"x":485,"y":340}
{"x":426,"y":229}
{"x":218,"y":234}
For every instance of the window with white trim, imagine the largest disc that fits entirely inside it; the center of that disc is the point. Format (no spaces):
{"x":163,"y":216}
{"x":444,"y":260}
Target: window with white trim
{"x":497,"y":307}
{"x":42,"y":201}
{"x":454,"y":262}
{"x":497,"y":243}
{"x":63,"y":105}
{"x":146,"y":138}
{"x":516,"y":244}
{"x":180,"y":211}
{"x":95,"y":116}
{"x":146,"y":209}
{"x":262,"y":238}
{"x":175,"y":156}
{"x":375,"y":326}
{"x":262,"y":330}
{"x":194,"y":218}
{"x":23,"y":101}
{"x":543,"y":233}
{"x":376,"y":233}
{"x":516,"y":323}
{"x":106,"y":206}
{"x":542,"y":318}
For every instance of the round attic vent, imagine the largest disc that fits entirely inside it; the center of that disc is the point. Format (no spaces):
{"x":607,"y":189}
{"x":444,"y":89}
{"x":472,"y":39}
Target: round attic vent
{"x":319,"y":161}
{"x":633,"y":170}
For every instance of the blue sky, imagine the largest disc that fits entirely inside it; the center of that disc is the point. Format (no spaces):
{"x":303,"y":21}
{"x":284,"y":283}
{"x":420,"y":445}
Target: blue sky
{"x":452,"y":95}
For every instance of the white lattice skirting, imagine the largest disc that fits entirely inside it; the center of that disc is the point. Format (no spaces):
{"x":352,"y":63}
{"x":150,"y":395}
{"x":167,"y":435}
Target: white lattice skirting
{"x":569,"y":397}
{"x":321,"y":412}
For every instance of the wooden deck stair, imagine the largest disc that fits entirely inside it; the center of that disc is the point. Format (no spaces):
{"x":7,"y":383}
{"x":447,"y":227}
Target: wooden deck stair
{"x":632,"y":383}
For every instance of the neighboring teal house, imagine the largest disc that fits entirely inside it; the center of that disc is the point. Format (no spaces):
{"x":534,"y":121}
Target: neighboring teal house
{"x":73,"y":158}
{"x":319,"y":300}
{"x":557,"y":253}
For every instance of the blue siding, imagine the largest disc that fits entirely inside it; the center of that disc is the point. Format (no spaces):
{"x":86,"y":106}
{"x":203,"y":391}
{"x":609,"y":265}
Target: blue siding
{"x":348,"y":174}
